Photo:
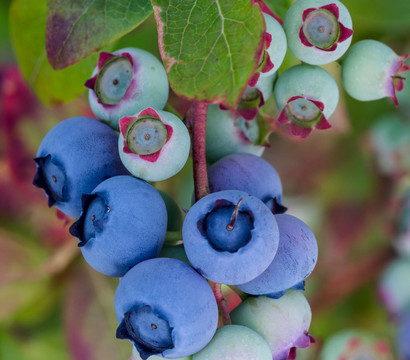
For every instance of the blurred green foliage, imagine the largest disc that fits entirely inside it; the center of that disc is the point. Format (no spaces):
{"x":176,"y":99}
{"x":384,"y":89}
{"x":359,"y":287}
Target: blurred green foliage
{"x":53,"y":306}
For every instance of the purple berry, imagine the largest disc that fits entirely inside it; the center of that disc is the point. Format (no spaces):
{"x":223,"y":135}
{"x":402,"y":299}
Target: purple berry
{"x":123,"y":222}
{"x":73,"y":158}
{"x":251,"y":174}
{"x":294,"y":261}
{"x":230,"y":237}
{"x":164,"y":307}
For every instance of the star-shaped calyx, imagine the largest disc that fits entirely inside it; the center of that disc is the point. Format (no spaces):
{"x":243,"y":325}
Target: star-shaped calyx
{"x":50,"y":177}
{"x":395,"y":81}
{"x":265,"y":63}
{"x":303,"y":115}
{"x":145,"y":134}
{"x":148,"y":332}
{"x":113,"y":77}
{"x":322,"y":29}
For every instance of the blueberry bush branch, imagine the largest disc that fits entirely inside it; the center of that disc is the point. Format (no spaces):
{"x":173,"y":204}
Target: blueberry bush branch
{"x":196,"y":117}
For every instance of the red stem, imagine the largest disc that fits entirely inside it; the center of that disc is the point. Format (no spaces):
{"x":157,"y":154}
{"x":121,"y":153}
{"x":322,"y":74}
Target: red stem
{"x":196,"y":122}
{"x":196,"y":118}
{"x":222,"y":304}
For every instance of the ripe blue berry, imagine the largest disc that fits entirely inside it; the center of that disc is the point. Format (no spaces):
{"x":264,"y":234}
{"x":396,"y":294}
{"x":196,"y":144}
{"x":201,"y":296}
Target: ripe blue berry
{"x":403,"y":338}
{"x":73,"y":158}
{"x":251,"y":174}
{"x":318,"y":31}
{"x":230,"y":236}
{"x":294,"y":261}
{"x":123,"y":222}
{"x":371,"y":70}
{"x":307,"y":96}
{"x":164,"y":307}
{"x":126,"y":82}
{"x":153,"y":145}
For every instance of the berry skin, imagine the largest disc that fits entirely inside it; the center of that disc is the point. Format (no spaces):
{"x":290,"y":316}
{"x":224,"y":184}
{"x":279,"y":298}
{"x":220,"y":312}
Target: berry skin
{"x":275,"y":46}
{"x":73,"y":158}
{"x":355,"y":345}
{"x":235,"y":342}
{"x":164,"y":307}
{"x":393,"y":290}
{"x":294,"y":261}
{"x":390,"y":142}
{"x":126,"y":82}
{"x":283,"y":323}
{"x":123,"y":222}
{"x":371,"y":71}
{"x":251,"y":174}
{"x":318,"y":31}
{"x":153,"y":145}
{"x":230,"y":236}
{"x":403,"y":338}
{"x":136,"y":356}
{"x":228,"y":134}
{"x":307,"y":96}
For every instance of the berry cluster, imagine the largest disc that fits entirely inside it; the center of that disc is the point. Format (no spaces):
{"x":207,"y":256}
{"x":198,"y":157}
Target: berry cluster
{"x":238,"y":233}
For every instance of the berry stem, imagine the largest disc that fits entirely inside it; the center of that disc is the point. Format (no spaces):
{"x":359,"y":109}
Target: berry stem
{"x":222,"y":304}
{"x":196,"y":119}
{"x":235,"y":213}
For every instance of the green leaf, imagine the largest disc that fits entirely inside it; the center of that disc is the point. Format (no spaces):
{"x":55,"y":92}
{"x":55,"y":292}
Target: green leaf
{"x":210,"y":48}
{"x":279,"y":7}
{"x":380,"y":16}
{"x":27,"y":26}
{"x":78,"y":28}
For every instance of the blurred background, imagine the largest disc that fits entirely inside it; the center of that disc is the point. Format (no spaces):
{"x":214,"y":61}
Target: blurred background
{"x":350,"y":184}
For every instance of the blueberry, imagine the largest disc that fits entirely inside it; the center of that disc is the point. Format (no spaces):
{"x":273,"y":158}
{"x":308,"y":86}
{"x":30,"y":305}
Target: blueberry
{"x":371,"y":70}
{"x":294,"y":261}
{"x":355,"y":344}
{"x":230,"y":237}
{"x":123,"y":222}
{"x":251,"y":174}
{"x":390,"y":141}
{"x":153,"y":144}
{"x":228,"y":134}
{"x":274,"y":51}
{"x":165,"y":308}
{"x":254,"y":97}
{"x":126,"y":82}
{"x":318,"y":31}
{"x":403,"y":337}
{"x":73,"y":158}
{"x":277,"y":44}
{"x":393,"y":291}
{"x":235,"y":342}
{"x":283,"y":323}
{"x":306,"y":96}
